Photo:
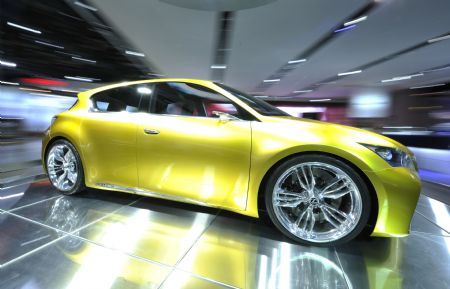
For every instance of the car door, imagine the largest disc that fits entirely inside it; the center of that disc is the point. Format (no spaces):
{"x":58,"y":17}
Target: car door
{"x":109,"y":137}
{"x":187,"y":153}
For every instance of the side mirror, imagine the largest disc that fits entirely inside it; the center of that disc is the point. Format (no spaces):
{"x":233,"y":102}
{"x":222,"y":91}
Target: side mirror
{"x":223,"y":116}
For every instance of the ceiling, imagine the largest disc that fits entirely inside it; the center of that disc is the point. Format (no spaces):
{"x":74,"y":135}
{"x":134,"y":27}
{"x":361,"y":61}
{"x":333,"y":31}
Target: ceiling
{"x":241,"y":44}
{"x":391,"y":42}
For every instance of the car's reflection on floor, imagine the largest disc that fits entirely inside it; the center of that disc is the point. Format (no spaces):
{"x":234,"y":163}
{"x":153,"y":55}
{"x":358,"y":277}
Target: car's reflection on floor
{"x":113,"y":240}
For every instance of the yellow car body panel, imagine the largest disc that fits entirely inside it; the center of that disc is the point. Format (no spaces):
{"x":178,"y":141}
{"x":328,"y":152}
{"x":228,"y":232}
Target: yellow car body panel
{"x":223,"y":163}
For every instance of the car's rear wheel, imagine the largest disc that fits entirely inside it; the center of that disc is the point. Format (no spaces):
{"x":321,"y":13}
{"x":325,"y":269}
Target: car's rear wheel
{"x":64,"y":167}
{"x":317,"y":199}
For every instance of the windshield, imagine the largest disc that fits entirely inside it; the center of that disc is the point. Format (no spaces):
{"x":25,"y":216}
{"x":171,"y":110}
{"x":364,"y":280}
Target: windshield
{"x":259,"y":105}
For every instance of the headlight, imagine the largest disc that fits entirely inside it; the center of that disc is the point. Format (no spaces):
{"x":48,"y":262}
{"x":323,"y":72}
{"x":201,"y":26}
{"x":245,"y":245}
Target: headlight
{"x":395,"y":157}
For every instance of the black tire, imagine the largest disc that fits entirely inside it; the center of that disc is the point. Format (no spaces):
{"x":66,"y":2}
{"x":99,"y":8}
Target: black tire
{"x":354,"y":175}
{"x":79,"y":183}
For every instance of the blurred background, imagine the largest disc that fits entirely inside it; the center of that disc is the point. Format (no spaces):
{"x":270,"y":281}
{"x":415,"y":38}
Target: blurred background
{"x":381,"y":65}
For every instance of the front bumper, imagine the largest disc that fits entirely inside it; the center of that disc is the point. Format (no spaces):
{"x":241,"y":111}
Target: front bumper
{"x":398,"y":191}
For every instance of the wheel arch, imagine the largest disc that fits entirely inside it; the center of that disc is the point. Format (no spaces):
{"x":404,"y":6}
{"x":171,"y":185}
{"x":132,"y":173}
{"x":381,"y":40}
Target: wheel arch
{"x":374,"y":203}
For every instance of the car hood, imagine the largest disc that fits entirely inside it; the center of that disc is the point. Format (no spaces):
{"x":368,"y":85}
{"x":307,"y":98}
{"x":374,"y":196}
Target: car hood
{"x":341,"y":131}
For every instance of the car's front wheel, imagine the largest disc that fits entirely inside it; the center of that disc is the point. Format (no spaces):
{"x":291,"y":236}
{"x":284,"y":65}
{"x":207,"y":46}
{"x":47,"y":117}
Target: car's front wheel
{"x":64,"y":167}
{"x":317,"y":199}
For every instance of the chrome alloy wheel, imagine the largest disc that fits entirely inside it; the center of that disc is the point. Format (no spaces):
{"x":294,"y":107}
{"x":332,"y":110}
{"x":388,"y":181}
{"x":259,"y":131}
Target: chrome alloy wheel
{"x":317,"y":202}
{"x":62,"y":167}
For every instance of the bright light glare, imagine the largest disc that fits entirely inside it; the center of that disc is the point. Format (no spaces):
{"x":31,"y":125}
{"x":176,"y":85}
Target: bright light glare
{"x":355,"y":21}
{"x":297,"y":61}
{"x":85,"y":6}
{"x":350,"y":72}
{"x":271,"y":80}
{"x":7,"y":63}
{"x":320,"y":100}
{"x":23,"y":27}
{"x":144,"y":90}
{"x":129,"y":52}
{"x":78,"y":78}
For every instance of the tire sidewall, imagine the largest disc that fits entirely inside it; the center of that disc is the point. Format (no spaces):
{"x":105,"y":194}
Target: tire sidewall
{"x":359,"y":181}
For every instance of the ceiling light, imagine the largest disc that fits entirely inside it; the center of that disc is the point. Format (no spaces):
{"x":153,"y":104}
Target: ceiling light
{"x":7,"y":63}
{"x":297,"y":61}
{"x":350,"y":72}
{"x":33,"y":89}
{"x":302,"y":91}
{"x":271,"y":80}
{"x":84,"y":59}
{"x":320,"y":100}
{"x":402,"y":77}
{"x":355,"y":21}
{"x":85,"y":6}
{"x":218,"y":66}
{"x":261,"y":96}
{"x":144,"y":90}
{"x":439,"y":38}
{"x":79,"y":78}
{"x":49,"y":44}
{"x":23,"y":27}
{"x":8,"y":83}
{"x":425,"y":86}
{"x":129,"y":52}
{"x":345,"y":28}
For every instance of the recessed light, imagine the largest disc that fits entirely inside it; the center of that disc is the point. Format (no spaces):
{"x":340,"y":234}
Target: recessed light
{"x":78,"y":78}
{"x":8,"y":83}
{"x":439,"y":38}
{"x":271,"y":80}
{"x":218,"y":66}
{"x":85,"y":6}
{"x":350,"y":72}
{"x":355,"y":21}
{"x":49,"y":44}
{"x":296,"y":61}
{"x":84,"y":59}
{"x":345,"y":28}
{"x":7,"y":63}
{"x":33,"y":89}
{"x":425,"y":86}
{"x":320,"y":100}
{"x":402,"y":77}
{"x":23,"y":27}
{"x":129,"y":52}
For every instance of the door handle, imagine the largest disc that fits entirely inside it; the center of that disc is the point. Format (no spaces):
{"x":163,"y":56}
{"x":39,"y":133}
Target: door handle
{"x":151,"y":131}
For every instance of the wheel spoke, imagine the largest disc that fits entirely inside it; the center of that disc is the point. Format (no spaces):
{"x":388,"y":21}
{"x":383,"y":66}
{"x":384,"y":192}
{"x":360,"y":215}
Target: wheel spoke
{"x":333,"y":215}
{"x":337,"y":195}
{"x":61,"y":179}
{"x":58,"y":155}
{"x":72,"y":177}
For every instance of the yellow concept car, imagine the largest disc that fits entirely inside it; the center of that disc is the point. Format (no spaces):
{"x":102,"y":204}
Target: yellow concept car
{"x":202,"y":142}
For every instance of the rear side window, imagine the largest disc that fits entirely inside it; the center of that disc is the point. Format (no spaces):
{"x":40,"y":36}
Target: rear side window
{"x":132,"y":98}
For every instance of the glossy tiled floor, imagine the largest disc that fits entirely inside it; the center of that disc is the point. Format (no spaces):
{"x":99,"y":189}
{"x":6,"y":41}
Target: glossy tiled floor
{"x":112,"y":240}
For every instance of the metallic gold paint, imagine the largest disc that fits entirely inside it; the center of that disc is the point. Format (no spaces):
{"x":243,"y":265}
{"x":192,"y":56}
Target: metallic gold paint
{"x":223,"y":163}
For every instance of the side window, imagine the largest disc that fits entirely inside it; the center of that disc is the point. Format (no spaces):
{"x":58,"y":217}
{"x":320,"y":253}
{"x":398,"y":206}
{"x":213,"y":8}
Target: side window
{"x":180,"y":98}
{"x":132,"y":98}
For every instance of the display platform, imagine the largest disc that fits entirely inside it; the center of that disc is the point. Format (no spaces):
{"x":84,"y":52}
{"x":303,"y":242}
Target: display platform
{"x":112,"y":240}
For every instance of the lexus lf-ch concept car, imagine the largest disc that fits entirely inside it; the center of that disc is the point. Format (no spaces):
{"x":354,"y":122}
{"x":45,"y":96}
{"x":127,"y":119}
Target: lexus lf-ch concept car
{"x":202,"y":142}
